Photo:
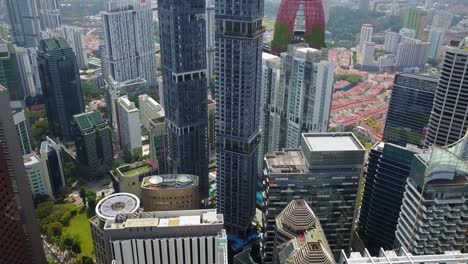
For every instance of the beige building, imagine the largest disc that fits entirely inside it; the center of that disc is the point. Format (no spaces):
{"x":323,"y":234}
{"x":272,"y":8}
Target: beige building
{"x":170,"y":192}
{"x":128,"y":177}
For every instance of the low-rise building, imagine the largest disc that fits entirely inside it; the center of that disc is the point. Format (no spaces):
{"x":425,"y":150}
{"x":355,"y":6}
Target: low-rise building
{"x":128,"y":177}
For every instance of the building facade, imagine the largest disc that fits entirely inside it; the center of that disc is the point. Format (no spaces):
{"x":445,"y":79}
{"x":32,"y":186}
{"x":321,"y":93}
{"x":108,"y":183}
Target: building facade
{"x":158,"y":144}
{"x":436,"y":39}
{"x":129,"y":127}
{"x":388,"y":168}
{"x":149,"y":109}
{"x":21,"y":241}
{"x":411,"y":53}
{"x":49,"y":14}
{"x":22,"y":126}
{"x":61,"y":85}
{"x":449,"y":117}
{"x":76,"y":39}
{"x":392,"y":39}
{"x":129,"y":41}
{"x":325,"y":172}
{"x":169,"y":192}
{"x":238,"y":56}
{"x":93,"y":142}
{"x":25,"y":22}
{"x":409,"y":109}
{"x":365,"y":36}
{"x":51,"y":157}
{"x":39,"y":184}
{"x":433,"y":215}
{"x":185,"y":82}
{"x":9,"y":77}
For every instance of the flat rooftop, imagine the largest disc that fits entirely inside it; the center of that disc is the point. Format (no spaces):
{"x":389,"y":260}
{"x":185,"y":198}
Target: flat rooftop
{"x":135,"y":169}
{"x":30,"y":159}
{"x":286,"y":161}
{"x":331,"y":142}
{"x":170,"y":182}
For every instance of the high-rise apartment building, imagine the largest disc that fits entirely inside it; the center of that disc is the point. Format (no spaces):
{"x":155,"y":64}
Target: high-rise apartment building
{"x":239,"y":41}
{"x":93,"y":141}
{"x":325,"y":172}
{"x":28,"y":70}
{"x":129,"y":127}
{"x":365,"y":35}
{"x":308,"y":79}
{"x":129,"y":40}
{"x":49,"y":14}
{"x":149,"y":109}
{"x":76,"y":39}
{"x":61,"y":85}
{"x":22,"y":126}
{"x":187,"y":237}
{"x":433,"y":215}
{"x":25,"y":22}
{"x":409,"y":109}
{"x":299,"y":237}
{"x":449,"y":116}
{"x":436,"y":39}
{"x":442,"y":19}
{"x":8,"y":71}
{"x":20,"y":239}
{"x":388,"y":168}
{"x":310,"y":30}
{"x":39,"y":184}
{"x":273,"y":105}
{"x":392,"y":39}
{"x":411,"y":53}
{"x":185,"y":83}
{"x":413,"y":18}
{"x":158,"y":145}
{"x":51,"y":157}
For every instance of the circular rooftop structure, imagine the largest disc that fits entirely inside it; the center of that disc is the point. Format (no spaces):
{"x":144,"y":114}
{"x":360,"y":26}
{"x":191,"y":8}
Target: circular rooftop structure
{"x":117,"y":203}
{"x":184,"y":179}
{"x":156,"y":180}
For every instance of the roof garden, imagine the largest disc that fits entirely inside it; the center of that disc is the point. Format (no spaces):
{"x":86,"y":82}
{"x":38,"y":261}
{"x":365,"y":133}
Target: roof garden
{"x":135,"y":169}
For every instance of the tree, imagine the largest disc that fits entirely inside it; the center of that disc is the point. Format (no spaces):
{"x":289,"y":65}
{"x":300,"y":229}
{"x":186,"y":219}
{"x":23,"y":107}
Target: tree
{"x":91,"y":92}
{"x":54,"y":230}
{"x":86,"y":260}
{"x":70,"y":171}
{"x":83,"y":195}
{"x":91,"y":198}
{"x":76,"y":247}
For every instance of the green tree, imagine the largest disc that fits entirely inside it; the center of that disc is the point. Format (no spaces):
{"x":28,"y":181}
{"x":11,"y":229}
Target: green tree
{"x":86,"y":260}
{"x":54,"y":230}
{"x":91,"y":198}
{"x":91,"y":92}
{"x":76,"y":247}
{"x":70,"y":172}
{"x":83,"y":195}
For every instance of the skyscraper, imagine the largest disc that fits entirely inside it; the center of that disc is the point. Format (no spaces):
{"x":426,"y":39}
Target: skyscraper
{"x":308,"y":80}
{"x":129,"y":40}
{"x":239,"y":38}
{"x":411,"y":53}
{"x":25,"y":22}
{"x":449,"y":117}
{"x":325,"y":172}
{"x":76,"y":39}
{"x":436,"y":39}
{"x":314,"y":20}
{"x":365,"y":36}
{"x":388,"y":168}
{"x":413,"y":18}
{"x":22,"y":126}
{"x":28,"y":70}
{"x":61,"y":85}
{"x":433,"y":215}
{"x":184,"y":73}
{"x":210,"y":39}
{"x":392,"y":39}
{"x":51,"y":157}
{"x":49,"y":14}
{"x":158,"y":145}
{"x":38,"y":183}
{"x":8,"y":71}
{"x":93,"y":141}
{"x":129,"y":127}
{"x":409,"y":109}
{"x":20,"y":239}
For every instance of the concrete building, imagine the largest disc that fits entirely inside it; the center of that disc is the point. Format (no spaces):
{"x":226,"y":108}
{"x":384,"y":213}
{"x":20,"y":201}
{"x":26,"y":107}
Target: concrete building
{"x":365,"y":35}
{"x":367,"y":57}
{"x":403,"y":257}
{"x":433,"y":215}
{"x":192,"y":237}
{"x":61,"y":85}
{"x":449,"y":117}
{"x":76,"y":39}
{"x":308,"y":79}
{"x":392,"y":39}
{"x":273,"y":105}
{"x":51,"y":157}
{"x":239,"y":58}
{"x":409,"y":109}
{"x":128,"y":177}
{"x":407,"y":33}
{"x":9,"y":77}
{"x":411,"y":53}
{"x":25,"y":22}
{"x":413,"y":18}
{"x":436,"y":39}
{"x":442,"y":19}
{"x":388,"y":168}
{"x":210,"y":39}
{"x":129,"y":41}
{"x":299,"y":237}
{"x":158,"y":144}
{"x":38,"y":182}
{"x":49,"y":14}
{"x":22,"y":126}
{"x":93,"y":142}
{"x":28,"y":70}
{"x":21,"y":241}
{"x":325,"y":172}
{"x":211,"y":129}
{"x":185,"y":83}
{"x":149,"y":109}
{"x":169,"y":192}
{"x":129,"y":127}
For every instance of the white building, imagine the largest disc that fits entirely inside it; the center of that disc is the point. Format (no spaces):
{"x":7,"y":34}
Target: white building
{"x":436,"y":39}
{"x":367,"y":59}
{"x":129,"y":40}
{"x":411,"y":53}
{"x":392,"y":39}
{"x":129,"y":126}
{"x":149,"y":109}
{"x":366,"y":35}
{"x":49,"y":13}
{"x":38,"y":182}
{"x":407,"y":32}
{"x":26,"y":59}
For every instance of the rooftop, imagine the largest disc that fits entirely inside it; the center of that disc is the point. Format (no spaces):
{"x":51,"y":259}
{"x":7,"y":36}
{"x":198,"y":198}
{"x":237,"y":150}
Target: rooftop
{"x":170,"y":181}
{"x":118,"y":203}
{"x":165,"y":219}
{"x":127,"y":104}
{"x":286,"y":161}
{"x":331,"y":141}
{"x":134,"y":169}
{"x":89,"y":120}
{"x":31,"y":159}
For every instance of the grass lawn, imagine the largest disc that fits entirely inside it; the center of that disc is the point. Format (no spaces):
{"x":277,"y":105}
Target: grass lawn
{"x":137,"y":171}
{"x":79,"y":226}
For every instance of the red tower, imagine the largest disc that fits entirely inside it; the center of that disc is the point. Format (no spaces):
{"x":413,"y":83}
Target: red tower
{"x":314,"y":24}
